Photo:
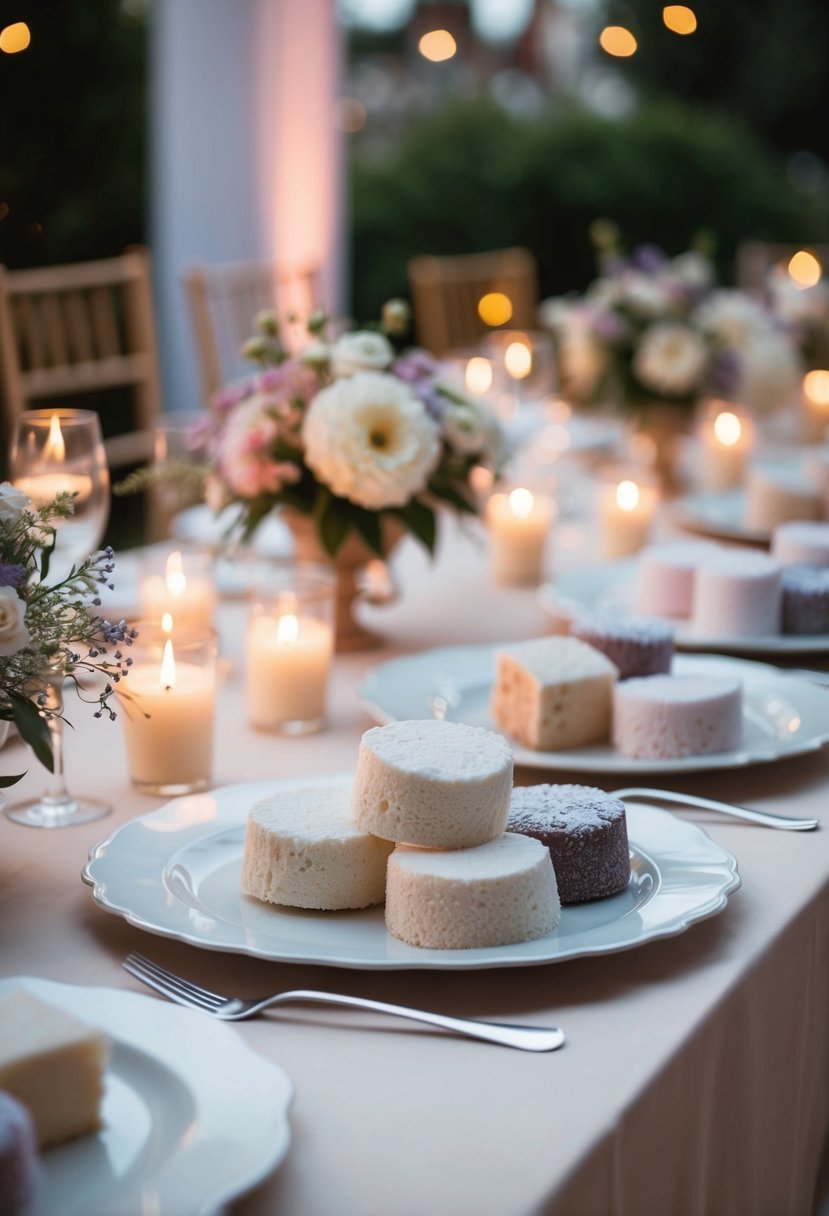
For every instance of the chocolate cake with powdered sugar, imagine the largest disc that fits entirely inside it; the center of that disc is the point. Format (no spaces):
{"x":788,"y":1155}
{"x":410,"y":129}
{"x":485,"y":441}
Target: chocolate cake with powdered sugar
{"x":805,"y":599}
{"x":639,"y":646}
{"x":585,"y":830}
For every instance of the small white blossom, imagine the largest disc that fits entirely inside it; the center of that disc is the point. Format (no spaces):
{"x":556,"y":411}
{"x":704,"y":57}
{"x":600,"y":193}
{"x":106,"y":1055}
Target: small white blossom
{"x":12,"y":502}
{"x":363,"y":351}
{"x":13,"y":632}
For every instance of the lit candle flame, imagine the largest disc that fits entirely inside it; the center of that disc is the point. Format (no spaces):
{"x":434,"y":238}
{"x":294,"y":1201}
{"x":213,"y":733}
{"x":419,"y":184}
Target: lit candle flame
{"x":167,"y":623}
{"x":728,"y":429}
{"x":287,"y":630}
{"x":175,"y":577}
{"x":518,"y":360}
{"x":55,"y":445}
{"x":478,"y":375}
{"x":521,"y":503}
{"x":168,"y":666}
{"x":627,"y":495}
{"x":816,"y":387}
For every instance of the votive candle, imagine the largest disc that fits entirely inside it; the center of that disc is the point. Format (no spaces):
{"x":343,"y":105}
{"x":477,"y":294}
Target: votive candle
{"x":627,"y":510}
{"x":519,"y":524}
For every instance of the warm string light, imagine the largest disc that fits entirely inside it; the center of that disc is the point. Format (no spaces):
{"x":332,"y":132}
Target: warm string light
{"x":437,"y":46}
{"x":617,"y":41}
{"x":804,"y":269}
{"x":15,"y":38}
{"x":816,"y":387}
{"x":679,"y":19}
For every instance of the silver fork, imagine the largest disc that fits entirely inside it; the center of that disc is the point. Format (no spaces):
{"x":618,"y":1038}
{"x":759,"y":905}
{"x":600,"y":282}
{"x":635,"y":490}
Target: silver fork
{"x":785,"y":823}
{"x":234,"y":1009}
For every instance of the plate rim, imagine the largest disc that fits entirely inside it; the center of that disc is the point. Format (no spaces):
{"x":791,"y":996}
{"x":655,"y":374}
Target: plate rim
{"x":280,"y":1088}
{"x":682,"y":511}
{"x":721,"y":865}
{"x":569,"y":761}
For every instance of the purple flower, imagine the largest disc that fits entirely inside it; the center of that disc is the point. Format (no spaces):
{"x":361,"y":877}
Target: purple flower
{"x":12,"y":575}
{"x":648,"y":258}
{"x":607,"y":325}
{"x":415,"y":365}
{"x":724,"y":372}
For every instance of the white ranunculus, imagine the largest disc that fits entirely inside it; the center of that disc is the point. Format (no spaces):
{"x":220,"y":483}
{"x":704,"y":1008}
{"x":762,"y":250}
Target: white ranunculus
{"x":692,"y":269}
{"x":771,"y":372}
{"x":363,"y":351}
{"x":13,"y":632}
{"x":12,"y":502}
{"x":670,"y":359}
{"x":734,"y":318}
{"x":369,"y":439}
{"x":470,"y":427}
{"x":644,"y":294}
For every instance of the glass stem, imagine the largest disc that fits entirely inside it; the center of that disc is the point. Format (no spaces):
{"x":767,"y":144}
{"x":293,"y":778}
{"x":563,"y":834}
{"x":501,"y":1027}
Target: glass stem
{"x":56,"y":792}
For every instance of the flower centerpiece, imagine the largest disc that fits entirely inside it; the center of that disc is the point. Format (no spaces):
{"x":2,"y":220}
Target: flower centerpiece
{"x":50,"y":627}
{"x":354,"y":440}
{"x":653,"y":329}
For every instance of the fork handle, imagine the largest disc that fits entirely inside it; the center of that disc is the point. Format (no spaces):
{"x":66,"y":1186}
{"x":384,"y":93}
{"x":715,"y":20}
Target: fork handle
{"x":525,"y":1038}
{"x":785,"y":822}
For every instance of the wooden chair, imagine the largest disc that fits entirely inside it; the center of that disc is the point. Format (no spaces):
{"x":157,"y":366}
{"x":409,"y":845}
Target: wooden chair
{"x":446,"y":292}
{"x":223,"y":300}
{"x":754,"y":260}
{"x":82,"y":328}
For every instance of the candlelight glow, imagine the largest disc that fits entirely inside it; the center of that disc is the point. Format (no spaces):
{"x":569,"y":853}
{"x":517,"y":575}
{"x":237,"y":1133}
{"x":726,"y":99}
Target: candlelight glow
{"x":518,"y":360}
{"x":521,"y":503}
{"x":478,"y":375}
{"x":618,"y":41}
{"x":728,"y":429}
{"x":55,"y":444}
{"x":805,"y":269}
{"x":437,"y":45}
{"x":175,"y":577}
{"x":167,"y":623}
{"x":627,"y":495}
{"x":168,"y":666}
{"x":679,"y":18}
{"x":15,"y":38}
{"x":495,"y":308}
{"x":816,"y":387}
{"x":287,"y":630}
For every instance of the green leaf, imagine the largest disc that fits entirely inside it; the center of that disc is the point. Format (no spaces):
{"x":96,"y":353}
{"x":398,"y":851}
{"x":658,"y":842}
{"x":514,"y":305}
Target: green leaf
{"x":5,"y":782}
{"x":367,"y":524}
{"x":421,"y":522}
{"x":450,"y":494}
{"x":33,"y":729}
{"x":332,"y":526}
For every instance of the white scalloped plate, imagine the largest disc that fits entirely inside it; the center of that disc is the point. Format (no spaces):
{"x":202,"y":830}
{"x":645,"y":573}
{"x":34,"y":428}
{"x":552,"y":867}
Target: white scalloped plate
{"x":176,"y":872}
{"x":191,"y":1116}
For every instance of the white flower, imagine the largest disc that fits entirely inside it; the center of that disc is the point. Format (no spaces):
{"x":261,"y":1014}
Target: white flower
{"x":363,"y":351}
{"x":734,"y":318}
{"x":369,"y":439}
{"x":315,"y":354}
{"x":470,"y":427}
{"x":644,"y":294}
{"x":12,"y":502}
{"x":771,"y":372}
{"x":670,"y":359}
{"x":692,"y":269}
{"x":13,"y":632}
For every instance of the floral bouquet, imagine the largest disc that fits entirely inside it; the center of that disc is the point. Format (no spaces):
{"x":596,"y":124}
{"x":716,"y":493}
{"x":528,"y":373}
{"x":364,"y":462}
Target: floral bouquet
{"x":350,"y":433}
{"x":654,"y":329}
{"x":47,"y":628}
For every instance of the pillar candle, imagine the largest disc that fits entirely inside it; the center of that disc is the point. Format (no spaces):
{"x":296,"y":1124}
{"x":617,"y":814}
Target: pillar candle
{"x":519,"y":524}
{"x":626,"y":516}
{"x":726,"y":443}
{"x":288,"y":660}
{"x":190,"y":597}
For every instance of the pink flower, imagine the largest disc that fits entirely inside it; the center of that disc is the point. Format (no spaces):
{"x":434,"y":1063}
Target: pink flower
{"x":245,"y":450}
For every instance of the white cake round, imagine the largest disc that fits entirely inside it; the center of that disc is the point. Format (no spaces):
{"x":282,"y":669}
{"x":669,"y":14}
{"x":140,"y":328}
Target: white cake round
{"x":801,"y":542}
{"x":439,"y":784}
{"x":737,"y":593}
{"x":774,"y":495}
{"x":665,"y":577}
{"x":303,"y":849}
{"x":667,"y":717}
{"x":493,"y":895}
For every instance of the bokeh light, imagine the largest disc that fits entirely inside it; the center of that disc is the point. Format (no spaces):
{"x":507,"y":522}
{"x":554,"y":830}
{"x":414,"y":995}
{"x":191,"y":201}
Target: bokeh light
{"x":679,"y":18}
{"x":437,"y":45}
{"x":495,"y":308}
{"x":15,"y":38}
{"x":618,"y":41}
{"x":805,"y":269}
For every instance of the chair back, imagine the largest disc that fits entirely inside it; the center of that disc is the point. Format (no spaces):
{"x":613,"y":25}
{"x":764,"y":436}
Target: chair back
{"x":81,"y":328}
{"x":446,"y":293}
{"x":223,"y":300}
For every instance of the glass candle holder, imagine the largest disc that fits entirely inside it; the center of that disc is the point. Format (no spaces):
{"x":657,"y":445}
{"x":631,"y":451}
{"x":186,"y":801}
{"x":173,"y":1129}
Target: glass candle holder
{"x":179,"y":583}
{"x":816,"y":405}
{"x":627,"y":505}
{"x":167,"y":707}
{"x":726,"y":435}
{"x":289,"y":648}
{"x":525,"y":362}
{"x":519,"y":523}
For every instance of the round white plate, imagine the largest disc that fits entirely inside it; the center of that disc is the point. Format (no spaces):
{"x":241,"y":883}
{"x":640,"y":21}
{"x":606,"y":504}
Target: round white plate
{"x":717,"y":513}
{"x":782,"y":716}
{"x":610,"y":586}
{"x":176,"y":872}
{"x":192,"y":1117}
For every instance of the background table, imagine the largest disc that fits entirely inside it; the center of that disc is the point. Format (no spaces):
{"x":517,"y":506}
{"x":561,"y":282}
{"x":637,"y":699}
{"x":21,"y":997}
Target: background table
{"x":695,"y":1078}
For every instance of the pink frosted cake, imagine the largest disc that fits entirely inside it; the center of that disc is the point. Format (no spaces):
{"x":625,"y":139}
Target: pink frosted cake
{"x":806,"y":599}
{"x":665,"y":577}
{"x":19,"y":1164}
{"x":585,"y":830}
{"x":639,"y":646}
{"x":801,"y":541}
{"x":737,"y":593}
{"x":667,"y":717}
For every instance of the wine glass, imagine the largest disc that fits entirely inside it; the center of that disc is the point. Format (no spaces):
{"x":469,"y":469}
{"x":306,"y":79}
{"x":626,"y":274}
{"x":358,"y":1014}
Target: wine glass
{"x":62,"y":450}
{"x":53,"y":451}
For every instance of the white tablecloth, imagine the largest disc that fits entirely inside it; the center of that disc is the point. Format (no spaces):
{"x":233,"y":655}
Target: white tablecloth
{"x":695,"y":1078}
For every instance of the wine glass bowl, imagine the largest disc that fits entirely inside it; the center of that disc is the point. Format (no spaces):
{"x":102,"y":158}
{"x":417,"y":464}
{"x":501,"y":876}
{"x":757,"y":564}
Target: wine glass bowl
{"x":62,"y":450}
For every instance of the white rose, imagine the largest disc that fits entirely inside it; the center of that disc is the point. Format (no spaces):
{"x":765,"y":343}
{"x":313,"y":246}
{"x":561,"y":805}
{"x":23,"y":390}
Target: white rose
{"x":693,"y":269}
{"x":13,"y":632}
{"x":12,"y":502}
{"x":363,"y":351}
{"x":470,"y":427}
{"x":644,"y":295}
{"x":670,"y":359}
{"x":369,"y":439}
